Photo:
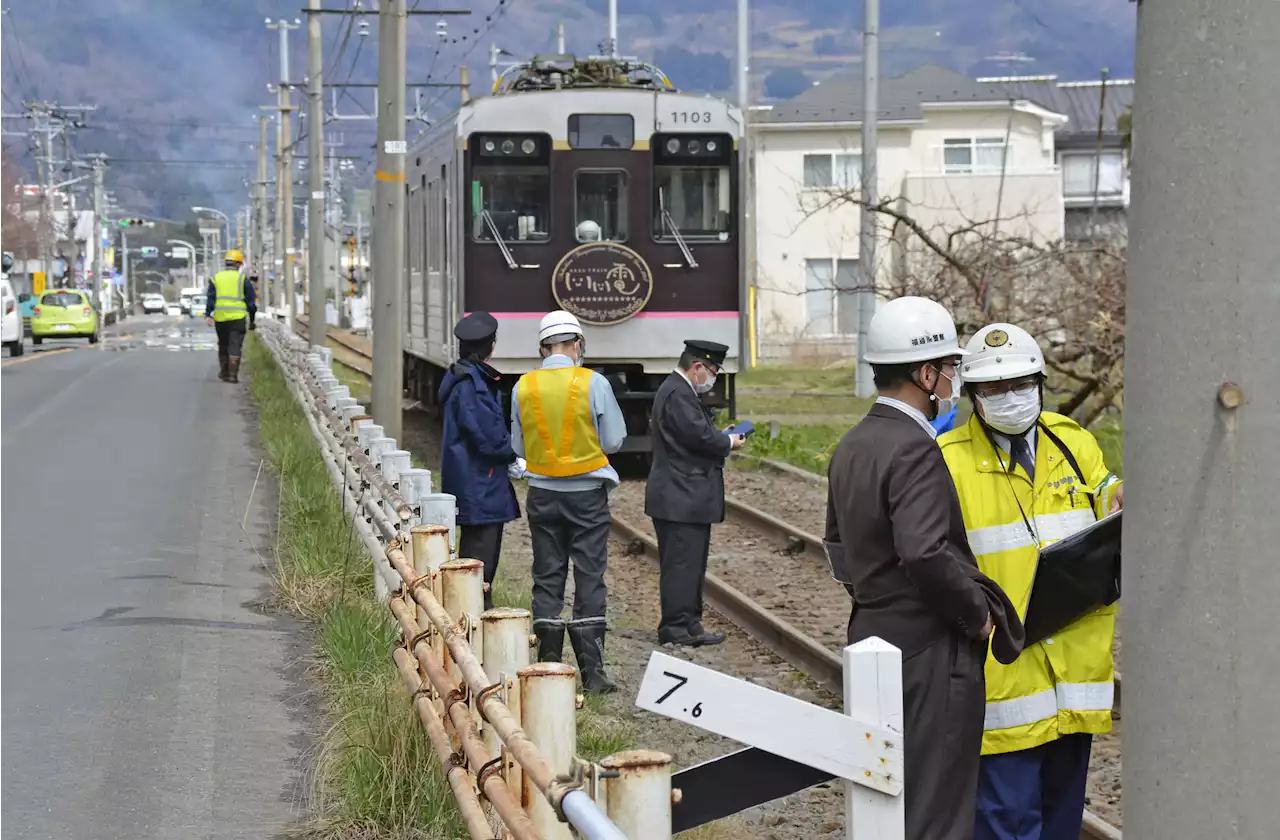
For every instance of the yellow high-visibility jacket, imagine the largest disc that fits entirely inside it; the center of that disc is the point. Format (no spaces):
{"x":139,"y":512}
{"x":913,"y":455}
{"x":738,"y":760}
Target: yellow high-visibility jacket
{"x":560,"y":437}
{"x":1066,"y":683}
{"x":229,"y":303}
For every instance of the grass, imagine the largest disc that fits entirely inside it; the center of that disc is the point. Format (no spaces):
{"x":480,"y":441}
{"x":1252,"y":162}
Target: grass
{"x":376,"y":775}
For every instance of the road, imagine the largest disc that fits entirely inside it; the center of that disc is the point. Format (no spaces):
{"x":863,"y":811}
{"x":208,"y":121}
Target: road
{"x":144,"y":695}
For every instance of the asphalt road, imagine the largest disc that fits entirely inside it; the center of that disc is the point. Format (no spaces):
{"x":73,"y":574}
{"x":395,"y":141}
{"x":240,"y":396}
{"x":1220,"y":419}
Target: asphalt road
{"x":144,"y":695}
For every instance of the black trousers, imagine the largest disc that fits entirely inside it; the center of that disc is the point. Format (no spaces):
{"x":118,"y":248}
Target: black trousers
{"x":943,"y":704}
{"x":483,"y":543}
{"x":564,"y":527}
{"x":683,"y":548}
{"x":230,"y":338}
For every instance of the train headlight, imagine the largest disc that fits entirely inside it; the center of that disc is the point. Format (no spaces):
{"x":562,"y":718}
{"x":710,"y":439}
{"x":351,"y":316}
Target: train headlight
{"x":508,"y":147}
{"x":673,"y":146}
{"x":488,"y":146}
{"x":711,"y":145}
{"x":528,"y":146}
{"x":694,"y":147}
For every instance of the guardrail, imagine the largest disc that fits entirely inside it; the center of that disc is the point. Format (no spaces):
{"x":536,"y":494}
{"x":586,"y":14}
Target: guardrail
{"x":503,"y":727}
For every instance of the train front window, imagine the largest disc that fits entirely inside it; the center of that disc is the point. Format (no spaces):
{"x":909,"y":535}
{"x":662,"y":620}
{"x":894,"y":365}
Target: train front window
{"x":600,"y":205}
{"x":693,"y":188}
{"x":510,"y":193}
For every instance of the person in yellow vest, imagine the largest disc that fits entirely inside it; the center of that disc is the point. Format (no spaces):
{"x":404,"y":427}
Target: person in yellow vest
{"x":565,"y":422}
{"x":1027,"y":477}
{"x":230,"y":304}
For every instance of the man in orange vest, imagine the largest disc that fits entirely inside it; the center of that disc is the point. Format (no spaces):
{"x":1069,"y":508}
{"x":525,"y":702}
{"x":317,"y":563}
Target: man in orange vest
{"x":565,"y":422}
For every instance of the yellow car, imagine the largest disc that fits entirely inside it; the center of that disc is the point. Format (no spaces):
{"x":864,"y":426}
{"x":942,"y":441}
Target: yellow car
{"x":64,"y":313}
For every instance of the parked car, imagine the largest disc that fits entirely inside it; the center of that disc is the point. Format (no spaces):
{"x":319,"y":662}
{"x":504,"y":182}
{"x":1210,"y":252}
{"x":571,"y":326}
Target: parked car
{"x":12,"y":328}
{"x":152,"y":303}
{"x":172,"y":308}
{"x":64,"y":313}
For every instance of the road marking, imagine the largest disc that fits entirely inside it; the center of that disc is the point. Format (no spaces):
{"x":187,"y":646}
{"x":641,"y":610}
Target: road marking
{"x":40,"y":355}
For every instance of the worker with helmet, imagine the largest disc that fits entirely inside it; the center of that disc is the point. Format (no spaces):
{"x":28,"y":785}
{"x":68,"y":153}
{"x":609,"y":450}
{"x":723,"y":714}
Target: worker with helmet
{"x":908,"y":566}
{"x":1027,"y":477}
{"x":565,"y":422}
{"x":230,"y":303}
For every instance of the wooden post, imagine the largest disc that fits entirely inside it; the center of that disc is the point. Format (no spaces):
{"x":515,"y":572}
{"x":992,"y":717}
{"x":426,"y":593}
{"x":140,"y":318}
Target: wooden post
{"x":873,"y":693}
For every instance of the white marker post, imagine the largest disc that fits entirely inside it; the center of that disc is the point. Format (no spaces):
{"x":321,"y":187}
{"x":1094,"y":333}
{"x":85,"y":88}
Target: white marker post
{"x":873,"y":693}
{"x":861,"y":749}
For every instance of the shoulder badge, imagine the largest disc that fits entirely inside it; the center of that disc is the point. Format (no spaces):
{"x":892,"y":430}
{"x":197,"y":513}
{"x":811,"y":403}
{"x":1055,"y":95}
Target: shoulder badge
{"x":997,"y":338}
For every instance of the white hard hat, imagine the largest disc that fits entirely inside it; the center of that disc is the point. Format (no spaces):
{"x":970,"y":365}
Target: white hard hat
{"x":558,"y":323}
{"x":588,"y":231}
{"x":911,"y":329}
{"x":1001,"y":351}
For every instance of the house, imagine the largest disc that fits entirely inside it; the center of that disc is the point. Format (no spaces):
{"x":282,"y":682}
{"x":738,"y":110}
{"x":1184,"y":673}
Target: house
{"x":1091,"y":153}
{"x":951,"y":151}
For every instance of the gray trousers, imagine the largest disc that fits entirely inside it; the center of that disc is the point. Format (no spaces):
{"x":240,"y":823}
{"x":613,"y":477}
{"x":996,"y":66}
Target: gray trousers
{"x":682,"y":557}
{"x":567,"y":526}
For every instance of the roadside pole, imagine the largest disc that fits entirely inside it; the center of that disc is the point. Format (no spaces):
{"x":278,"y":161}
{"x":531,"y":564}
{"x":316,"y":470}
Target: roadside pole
{"x":316,"y":281}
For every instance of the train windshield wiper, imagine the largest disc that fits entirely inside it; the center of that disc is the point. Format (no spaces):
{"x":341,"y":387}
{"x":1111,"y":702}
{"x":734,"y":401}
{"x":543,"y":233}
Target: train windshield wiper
{"x":669,"y":222}
{"x":497,"y":237}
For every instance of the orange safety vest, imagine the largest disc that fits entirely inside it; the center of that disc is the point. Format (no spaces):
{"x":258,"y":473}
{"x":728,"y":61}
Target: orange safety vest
{"x":560,"y":437}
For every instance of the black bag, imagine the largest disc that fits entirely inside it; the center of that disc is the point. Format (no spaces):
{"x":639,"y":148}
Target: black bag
{"x":1074,"y":577}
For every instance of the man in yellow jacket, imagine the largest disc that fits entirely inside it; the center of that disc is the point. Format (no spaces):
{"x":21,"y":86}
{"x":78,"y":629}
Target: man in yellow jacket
{"x":1027,"y":477}
{"x":230,"y":303}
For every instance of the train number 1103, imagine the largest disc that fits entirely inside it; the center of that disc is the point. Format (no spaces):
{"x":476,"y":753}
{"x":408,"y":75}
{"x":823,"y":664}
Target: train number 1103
{"x":691,"y":116}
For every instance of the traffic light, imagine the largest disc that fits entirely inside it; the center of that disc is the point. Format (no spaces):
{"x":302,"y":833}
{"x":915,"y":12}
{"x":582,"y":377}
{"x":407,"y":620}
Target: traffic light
{"x":136,"y":223}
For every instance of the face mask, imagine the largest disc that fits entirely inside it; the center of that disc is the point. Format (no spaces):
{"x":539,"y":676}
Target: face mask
{"x":705,"y":387}
{"x":945,"y":405}
{"x":1011,"y":414}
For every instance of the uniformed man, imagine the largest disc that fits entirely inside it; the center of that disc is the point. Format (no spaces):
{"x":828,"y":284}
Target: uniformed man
{"x":1026,"y":478}
{"x":894,"y":523}
{"x":685,"y":492}
{"x":230,"y":303}
{"x":477,"y":461}
{"x":565,"y":421}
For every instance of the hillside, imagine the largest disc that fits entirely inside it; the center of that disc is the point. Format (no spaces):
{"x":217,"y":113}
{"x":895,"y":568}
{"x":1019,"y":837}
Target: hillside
{"x":179,"y":83}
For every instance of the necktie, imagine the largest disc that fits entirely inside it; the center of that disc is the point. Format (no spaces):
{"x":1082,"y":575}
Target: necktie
{"x":1022,"y":455}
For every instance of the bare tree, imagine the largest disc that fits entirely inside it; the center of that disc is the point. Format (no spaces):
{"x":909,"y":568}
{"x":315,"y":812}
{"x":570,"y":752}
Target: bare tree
{"x":19,"y":234}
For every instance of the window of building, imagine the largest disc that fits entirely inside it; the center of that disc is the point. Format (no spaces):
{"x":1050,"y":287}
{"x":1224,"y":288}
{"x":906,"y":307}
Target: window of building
{"x":832,"y":171}
{"x":510,"y":190}
{"x":973,"y":154}
{"x":1078,"y":173}
{"x":600,"y":205}
{"x":831,"y":300}
{"x":601,"y":131}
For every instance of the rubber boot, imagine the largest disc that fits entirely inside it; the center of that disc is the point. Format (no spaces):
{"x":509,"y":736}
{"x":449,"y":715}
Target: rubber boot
{"x":588,"y":647}
{"x":233,"y":369}
{"x":550,"y":641}
{"x":223,"y":365}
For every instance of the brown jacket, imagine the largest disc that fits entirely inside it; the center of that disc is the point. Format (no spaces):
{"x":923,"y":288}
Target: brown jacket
{"x":892,"y":504}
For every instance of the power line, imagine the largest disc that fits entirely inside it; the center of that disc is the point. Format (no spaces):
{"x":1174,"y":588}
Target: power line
{"x":491,"y":19}
{"x":22,"y":56}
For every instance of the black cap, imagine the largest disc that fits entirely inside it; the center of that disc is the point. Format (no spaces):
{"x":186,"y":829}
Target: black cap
{"x":476,"y":327}
{"x":707,"y":351}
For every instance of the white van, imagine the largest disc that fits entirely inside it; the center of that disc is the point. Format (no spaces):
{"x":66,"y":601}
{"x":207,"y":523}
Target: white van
{"x":12,"y":327}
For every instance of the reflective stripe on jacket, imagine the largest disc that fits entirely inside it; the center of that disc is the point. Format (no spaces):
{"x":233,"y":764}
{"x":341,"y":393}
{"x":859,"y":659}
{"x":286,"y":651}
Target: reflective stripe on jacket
{"x":555,"y":417}
{"x":229,"y":303}
{"x":1064,"y":684}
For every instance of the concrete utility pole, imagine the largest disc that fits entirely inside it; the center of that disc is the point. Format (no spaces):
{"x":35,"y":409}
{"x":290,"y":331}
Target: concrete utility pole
{"x":316,"y":281}
{"x":263,"y":256}
{"x":560,"y":38}
{"x":99,"y":272}
{"x":284,"y":175}
{"x":388,"y":230}
{"x":1201,"y":680}
{"x":746,"y":249}
{"x":612,"y":51}
{"x":864,"y":384}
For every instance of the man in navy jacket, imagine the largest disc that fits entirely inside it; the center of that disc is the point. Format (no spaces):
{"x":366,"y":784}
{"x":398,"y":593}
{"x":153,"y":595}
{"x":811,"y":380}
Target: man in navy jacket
{"x":477,"y":455}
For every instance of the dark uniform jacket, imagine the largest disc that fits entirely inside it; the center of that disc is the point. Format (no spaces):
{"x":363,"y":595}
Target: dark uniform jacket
{"x":686,"y":481}
{"x":892,"y":504}
{"x":477,"y":445}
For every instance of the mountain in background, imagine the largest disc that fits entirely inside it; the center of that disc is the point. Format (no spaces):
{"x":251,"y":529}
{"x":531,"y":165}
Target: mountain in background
{"x":178,"y":84}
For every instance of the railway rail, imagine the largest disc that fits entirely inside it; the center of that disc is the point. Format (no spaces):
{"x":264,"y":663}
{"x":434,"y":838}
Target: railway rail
{"x":800,"y":650}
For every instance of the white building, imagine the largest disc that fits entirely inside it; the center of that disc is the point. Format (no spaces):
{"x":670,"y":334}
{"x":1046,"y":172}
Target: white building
{"x":952,"y":152}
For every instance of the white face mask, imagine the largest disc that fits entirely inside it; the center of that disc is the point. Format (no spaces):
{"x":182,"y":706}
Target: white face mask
{"x":705,"y":387}
{"x":1011,"y":413}
{"x":945,"y":405}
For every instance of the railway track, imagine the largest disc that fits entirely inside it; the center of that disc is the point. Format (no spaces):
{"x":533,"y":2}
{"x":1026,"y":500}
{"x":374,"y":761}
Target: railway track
{"x":790,"y":643}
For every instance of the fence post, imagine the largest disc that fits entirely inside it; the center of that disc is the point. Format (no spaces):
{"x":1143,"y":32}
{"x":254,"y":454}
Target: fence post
{"x":873,"y":693}
{"x":638,"y":798}
{"x":430,"y":545}
{"x":548,"y":698}
{"x":462,"y":596}
{"x":507,"y":641}
{"x":442,"y":509}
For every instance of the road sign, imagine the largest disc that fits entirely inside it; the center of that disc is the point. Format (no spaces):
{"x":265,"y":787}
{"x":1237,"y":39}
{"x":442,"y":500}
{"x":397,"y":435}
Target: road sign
{"x":150,"y":251}
{"x":866,"y":754}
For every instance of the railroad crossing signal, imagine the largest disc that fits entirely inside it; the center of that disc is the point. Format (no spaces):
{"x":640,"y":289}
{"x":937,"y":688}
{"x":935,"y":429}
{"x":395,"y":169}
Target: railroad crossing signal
{"x":136,"y":223}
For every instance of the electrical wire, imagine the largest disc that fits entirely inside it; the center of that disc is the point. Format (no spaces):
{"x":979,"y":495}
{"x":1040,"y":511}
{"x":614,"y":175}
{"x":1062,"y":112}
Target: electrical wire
{"x":491,"y":19}
{"x":24,"y":70}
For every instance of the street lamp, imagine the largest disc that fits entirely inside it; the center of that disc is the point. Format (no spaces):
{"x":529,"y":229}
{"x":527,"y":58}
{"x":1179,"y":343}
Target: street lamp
{"x":191,"y":256}
{"x":226,"y":220}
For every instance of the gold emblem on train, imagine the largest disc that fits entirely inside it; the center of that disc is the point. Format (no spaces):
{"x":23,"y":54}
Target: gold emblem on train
{"x":602,"y":283}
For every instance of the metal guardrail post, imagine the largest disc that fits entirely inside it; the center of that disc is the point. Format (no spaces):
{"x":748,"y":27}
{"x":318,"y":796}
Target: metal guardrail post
{"x":637,"y":787}
{"x":507,"y":640}
{"x":441,"y":509}
{"x":462,"y":595}
{"x":548,"y":700}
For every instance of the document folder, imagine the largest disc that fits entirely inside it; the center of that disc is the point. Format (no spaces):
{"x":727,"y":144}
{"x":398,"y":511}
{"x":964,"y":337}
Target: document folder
{"x":1074,"y":577}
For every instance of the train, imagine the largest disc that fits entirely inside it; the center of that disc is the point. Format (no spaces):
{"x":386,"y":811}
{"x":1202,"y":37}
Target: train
{"x":591,"y":185}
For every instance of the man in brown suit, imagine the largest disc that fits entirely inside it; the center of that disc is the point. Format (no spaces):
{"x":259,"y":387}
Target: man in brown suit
{"x":896,"y":538}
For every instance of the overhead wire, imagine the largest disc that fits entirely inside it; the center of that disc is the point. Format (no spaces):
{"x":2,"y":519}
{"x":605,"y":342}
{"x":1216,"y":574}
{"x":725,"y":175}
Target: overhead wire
{"x":23,"y":68}
{"x":491,"y":19}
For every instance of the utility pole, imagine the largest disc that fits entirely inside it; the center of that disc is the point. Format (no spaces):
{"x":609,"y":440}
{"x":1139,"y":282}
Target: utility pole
{"x":746,"y":249}
{"x":611,"y":49}
{"x":99,"y":273}
{"x":1201,"y":740}
{"x":315,"y":174}
{"x":388,"y":231}
{"x":284,"y":174}
{"x":864,"y":385}
{"x":560,"y":38}
{"x":464,"y":83}
{"x":263,"y":256}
